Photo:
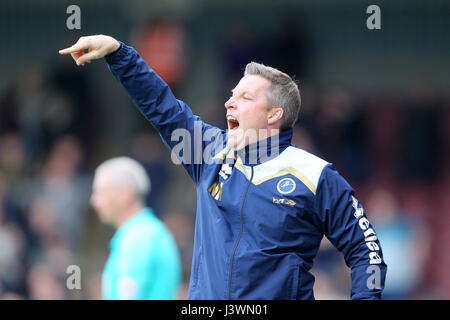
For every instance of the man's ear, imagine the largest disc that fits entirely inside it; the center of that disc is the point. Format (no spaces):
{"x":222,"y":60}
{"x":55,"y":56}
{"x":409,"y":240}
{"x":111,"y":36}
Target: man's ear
{"x":127,"y":194}
{"x":274,"y":115}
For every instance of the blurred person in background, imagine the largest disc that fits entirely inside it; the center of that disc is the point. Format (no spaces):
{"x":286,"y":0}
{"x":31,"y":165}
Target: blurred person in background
{"x":12,"y":246}
{"x":405,"y":245}
{"x":332,"y":281}
{"x":13,"y":241}
{"x":64,"y":188}
{"x":47,"y":276}
{"x":146,"y":148}
{"x":325,"y":287}
{"x":44,"y":283}
{"x":144,"y":262}
{"x":181,"y":227}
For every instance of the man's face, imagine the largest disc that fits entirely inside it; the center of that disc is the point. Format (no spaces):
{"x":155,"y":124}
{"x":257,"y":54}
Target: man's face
{"x":247,"y":111}
{"x":105,"y":197}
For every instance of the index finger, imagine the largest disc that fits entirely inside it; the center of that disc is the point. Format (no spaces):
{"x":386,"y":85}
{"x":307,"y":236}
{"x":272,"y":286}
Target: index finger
{"x":75,"y":48}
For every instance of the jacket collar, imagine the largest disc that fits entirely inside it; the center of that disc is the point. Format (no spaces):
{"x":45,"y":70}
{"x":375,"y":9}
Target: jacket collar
{"x":264,"y":150}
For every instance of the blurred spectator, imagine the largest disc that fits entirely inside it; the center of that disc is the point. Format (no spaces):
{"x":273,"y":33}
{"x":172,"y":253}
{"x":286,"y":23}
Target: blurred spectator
{"x":12,"y":268}
{"x":161,"y":43}
{"x":12,"y":178}
{"x":47,"y":276}
{"x":147,"y":148}
{"x":43,"y":219}
{"x":329,"y":269}
{"x":13,"y":243}
{"x":144,"y":262}
{"x":12,"y":157}
{"x":324,"y":288}
{"x":181,"y":226}
{"x":44,"y":284}
{"x":63,"y":189}
{"x":405,"y":245}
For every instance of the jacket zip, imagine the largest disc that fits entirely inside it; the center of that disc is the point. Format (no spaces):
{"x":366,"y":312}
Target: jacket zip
{"x":239,"y":237}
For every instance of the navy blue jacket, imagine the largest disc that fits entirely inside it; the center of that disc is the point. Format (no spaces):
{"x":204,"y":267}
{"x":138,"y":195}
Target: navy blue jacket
{"x":260,"y":220}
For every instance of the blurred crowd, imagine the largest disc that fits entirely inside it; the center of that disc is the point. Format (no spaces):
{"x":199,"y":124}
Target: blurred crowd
{"x":392,"y":148}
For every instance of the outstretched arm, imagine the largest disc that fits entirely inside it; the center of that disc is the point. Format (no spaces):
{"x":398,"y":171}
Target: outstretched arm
{"x":171,"y":117}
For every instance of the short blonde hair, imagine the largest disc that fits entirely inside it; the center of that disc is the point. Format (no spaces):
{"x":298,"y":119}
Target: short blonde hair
{"x":283,"y":92}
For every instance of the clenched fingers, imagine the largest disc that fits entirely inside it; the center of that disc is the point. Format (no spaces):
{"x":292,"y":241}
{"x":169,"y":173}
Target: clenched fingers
{"x":87,"y":57}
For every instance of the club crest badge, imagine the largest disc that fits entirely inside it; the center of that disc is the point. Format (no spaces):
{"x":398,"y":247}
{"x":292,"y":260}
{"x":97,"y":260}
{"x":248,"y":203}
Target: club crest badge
{"x":286,"y":186}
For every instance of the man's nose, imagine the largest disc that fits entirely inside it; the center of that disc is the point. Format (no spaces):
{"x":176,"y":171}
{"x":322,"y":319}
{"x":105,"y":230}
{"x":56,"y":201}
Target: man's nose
{"x":230,"y":104}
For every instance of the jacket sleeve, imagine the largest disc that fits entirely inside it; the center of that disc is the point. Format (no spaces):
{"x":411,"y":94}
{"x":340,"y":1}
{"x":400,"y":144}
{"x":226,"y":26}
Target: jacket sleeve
{"x":181,"y":131}
{"x":344,"y":223}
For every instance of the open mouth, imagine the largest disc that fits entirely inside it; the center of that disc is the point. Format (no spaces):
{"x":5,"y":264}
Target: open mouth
{"x":233,"y":123}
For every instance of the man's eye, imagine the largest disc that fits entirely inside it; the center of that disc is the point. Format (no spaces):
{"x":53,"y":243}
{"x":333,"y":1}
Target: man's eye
{"x":247,"y":98}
